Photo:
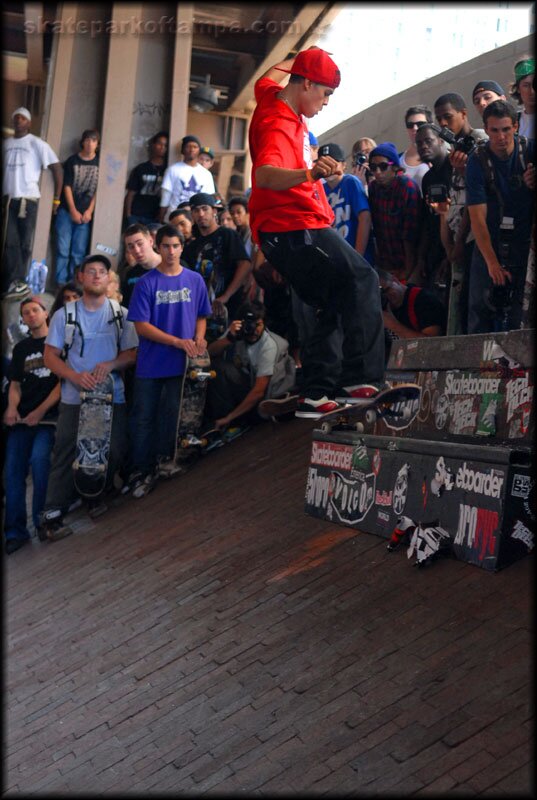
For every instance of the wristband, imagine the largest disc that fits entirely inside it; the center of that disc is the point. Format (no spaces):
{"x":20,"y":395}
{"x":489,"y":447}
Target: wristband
{"x":56,"y":202}
{"x":309,"y":176}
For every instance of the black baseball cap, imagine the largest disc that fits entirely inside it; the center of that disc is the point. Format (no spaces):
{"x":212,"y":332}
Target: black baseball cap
{"x":333,"y":150}
{"x":202,"y":199}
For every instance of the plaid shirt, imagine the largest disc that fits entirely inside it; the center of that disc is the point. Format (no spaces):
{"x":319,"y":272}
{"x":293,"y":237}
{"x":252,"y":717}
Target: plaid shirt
{"x":396,"y":214}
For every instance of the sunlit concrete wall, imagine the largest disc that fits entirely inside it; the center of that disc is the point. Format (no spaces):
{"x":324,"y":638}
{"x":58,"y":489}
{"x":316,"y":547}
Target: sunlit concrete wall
{"x":384,"y":121}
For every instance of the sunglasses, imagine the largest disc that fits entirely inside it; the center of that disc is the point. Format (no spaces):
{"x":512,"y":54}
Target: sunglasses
{"x":410,"y":125}
{"x":383,"y":166}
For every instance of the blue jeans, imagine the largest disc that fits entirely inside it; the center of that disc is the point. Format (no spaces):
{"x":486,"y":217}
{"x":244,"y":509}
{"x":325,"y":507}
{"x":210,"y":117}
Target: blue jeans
{"x":153,"y":424}
{"x":26,"y":447}
{"x":72,"y":242}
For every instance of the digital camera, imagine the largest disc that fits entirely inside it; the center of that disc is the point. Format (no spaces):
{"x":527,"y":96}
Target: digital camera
{"x":249,"y":325}
{"x":465,"y":144}
{"x":437,"y":193}
{"x":359,"y":159}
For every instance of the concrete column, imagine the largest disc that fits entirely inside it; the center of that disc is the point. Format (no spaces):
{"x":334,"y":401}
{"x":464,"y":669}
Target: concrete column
{"x":180,"y":79}
{"x":116,"y":132}
{"x":52,"y":126}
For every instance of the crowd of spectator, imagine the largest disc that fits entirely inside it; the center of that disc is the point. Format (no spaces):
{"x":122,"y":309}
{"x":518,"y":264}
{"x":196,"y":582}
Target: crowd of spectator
{"x":444,"y":226}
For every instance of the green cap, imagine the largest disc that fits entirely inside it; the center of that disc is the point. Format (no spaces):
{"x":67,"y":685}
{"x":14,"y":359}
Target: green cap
{"x":523,"y":68}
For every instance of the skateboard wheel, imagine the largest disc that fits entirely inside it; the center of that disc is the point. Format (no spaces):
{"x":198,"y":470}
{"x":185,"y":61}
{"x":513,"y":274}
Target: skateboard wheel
{"x":370,"y":415}
{"x":184,"y":442}
{"x":212,"y":374}
{"x":204,"y":442}
{"x":326,"y":427}
{"x":359,"y":427}
{"x":193,"y":374}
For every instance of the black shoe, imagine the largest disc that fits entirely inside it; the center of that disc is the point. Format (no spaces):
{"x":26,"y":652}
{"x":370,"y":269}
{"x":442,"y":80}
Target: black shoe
{"x":54,"y":531}
{"x":12,"y":545}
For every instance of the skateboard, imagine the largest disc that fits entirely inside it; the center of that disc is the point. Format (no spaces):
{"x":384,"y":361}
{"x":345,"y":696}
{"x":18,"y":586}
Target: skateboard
{"x":93,"y":438}
{"x":278,"y":406}
{"x":191,"y":409}
{"x":397,"y":406}
{"x":213,"y":438}
{"x":454,"y":321}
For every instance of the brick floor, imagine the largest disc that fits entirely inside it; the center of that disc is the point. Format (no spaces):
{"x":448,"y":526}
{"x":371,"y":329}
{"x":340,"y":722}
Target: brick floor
{"x":212,"y":638}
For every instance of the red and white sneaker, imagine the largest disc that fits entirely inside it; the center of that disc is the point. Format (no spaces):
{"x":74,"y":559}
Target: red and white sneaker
{"x":362,"y":392}
{"x":313,"y":409}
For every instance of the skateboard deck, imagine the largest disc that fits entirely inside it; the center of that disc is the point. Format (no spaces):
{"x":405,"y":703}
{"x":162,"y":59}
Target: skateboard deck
{"x":191,"y":408}
{"x":454,"y":320}
{"x":396,"y":406}
{"x":93,"y":438}
{"x":213,"y":438}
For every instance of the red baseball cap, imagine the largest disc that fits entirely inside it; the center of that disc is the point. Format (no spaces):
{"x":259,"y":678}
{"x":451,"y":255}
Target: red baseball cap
{"x":316,"y":65}
{"x":34,"y":299}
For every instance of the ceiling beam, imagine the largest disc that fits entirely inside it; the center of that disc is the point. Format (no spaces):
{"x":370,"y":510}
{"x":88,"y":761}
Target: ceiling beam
{"x":306,"y":30}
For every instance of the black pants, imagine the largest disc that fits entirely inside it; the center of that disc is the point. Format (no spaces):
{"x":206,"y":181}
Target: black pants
{"x":328,"y":274}
{"x":19,"y":240}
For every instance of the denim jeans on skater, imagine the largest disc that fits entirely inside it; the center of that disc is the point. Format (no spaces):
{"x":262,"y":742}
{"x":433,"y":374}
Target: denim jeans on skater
{"x":153,"y":423}
{"x":26,"y":446}
{"x":328,"y":274}
{"x":72,"y":242}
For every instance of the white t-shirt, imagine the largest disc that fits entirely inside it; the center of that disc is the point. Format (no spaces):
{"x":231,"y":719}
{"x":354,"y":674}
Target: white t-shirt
{"x":416,"y":173}
{"x":181,"y":181}
{"x":526,"y":125}
{"x":24,"y":159}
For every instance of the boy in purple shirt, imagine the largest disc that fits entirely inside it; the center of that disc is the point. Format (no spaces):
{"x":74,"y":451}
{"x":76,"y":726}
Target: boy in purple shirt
{"x":169,"y":307}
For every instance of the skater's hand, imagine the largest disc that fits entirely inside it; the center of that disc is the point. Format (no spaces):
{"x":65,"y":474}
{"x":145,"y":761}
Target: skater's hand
{"x":33,"y":418}
{"x":458,"y":160}
{"x":100,"y":371}
{"x":86,"y":216}
{"x":11,"y":416}
{"x":326,"y":166}
{"x":498,"y":274}
{"x":86,"y":380}
{"x":201,"y":345}
{"x":235,"y":327}
{"x":529,"y":176}
{"x":219,"y":305}
{"x":189,"y":346}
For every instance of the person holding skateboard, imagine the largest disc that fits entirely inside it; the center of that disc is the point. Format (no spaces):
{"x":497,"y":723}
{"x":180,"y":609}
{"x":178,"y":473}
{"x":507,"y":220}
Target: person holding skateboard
{"x":168,"y":307}
{"x":30,"y":416}
{"x":291,"y":221}
{"x":87,"y":340}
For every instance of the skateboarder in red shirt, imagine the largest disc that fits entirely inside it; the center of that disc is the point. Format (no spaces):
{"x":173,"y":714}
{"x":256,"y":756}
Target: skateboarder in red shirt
{"x":290,"y":219}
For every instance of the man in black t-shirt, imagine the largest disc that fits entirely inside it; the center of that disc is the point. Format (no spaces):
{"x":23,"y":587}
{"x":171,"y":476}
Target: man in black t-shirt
{"x":73,"y":219}
{"x":139,"y":244}
{"x":219,"y":255}
{"x":33,"y":396}
{"x":143,"y":186}
{"x":410,"y":311}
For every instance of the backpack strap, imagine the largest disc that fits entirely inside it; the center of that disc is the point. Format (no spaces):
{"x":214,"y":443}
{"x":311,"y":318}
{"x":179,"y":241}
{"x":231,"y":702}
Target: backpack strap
{"x":71,"y":325}
{"x":116,"y":319}
{"x":411,"y":308}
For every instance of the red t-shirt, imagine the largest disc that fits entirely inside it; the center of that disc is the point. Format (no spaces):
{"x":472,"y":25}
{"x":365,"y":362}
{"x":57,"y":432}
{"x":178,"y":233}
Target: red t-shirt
{"x":280,"y":138}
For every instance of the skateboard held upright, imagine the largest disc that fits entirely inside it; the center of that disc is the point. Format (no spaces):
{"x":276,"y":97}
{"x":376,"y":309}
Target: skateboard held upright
{"x":191,"y":409}
{"x":93,"y":438}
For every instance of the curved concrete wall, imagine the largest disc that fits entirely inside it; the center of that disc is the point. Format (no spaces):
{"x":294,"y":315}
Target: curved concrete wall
{"x":384,"y":121}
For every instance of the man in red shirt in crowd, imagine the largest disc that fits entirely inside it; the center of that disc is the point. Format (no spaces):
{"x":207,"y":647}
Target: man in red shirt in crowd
{"x":290,"y":219}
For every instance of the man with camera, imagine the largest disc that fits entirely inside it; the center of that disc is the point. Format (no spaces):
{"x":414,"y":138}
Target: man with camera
{"x":500,"y":179}
{"x":252,"y":364}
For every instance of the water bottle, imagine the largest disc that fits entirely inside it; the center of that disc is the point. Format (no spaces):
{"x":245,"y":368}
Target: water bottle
{"x":37,"y":276}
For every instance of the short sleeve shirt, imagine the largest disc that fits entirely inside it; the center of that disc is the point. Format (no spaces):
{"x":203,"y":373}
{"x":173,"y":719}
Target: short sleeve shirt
{"x":28,"y":368}
{"x":24,"y":158}
{"x":215,"y":258}
{"x":145,"y":181}
{"x":256,"y":360}
{"x":182,"y":181}
{"x":347,"y":200}
{"x":81,"y":176}
{"x":172,"y":303}
{"x":278,"y":137}
{"x":100,"y":339}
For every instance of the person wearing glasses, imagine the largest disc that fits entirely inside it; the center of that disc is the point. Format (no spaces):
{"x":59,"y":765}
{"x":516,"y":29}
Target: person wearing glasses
{"x":396,"y":211}
{"x":413,"y":166}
